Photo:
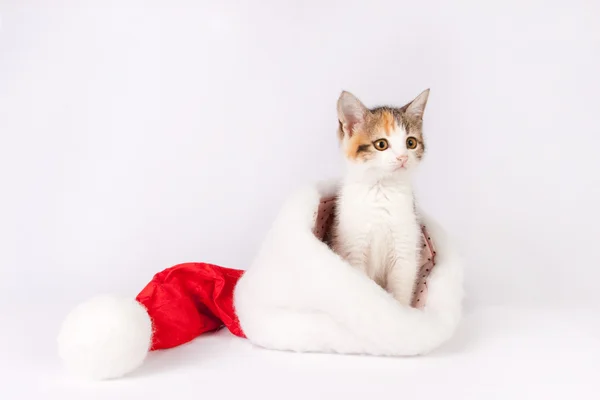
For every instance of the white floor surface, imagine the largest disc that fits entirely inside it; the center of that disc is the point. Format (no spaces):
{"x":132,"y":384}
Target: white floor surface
{"x":498,"y":353}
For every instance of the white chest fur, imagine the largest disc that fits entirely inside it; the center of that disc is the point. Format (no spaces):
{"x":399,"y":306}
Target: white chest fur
{"x":378,"y":232}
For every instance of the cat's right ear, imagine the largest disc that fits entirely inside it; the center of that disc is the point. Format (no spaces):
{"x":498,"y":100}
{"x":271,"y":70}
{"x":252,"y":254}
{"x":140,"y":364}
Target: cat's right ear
{"x":351,"y":112}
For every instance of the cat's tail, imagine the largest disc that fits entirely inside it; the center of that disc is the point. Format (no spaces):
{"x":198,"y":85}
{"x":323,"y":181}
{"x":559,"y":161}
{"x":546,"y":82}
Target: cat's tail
{"x":298,"y":295}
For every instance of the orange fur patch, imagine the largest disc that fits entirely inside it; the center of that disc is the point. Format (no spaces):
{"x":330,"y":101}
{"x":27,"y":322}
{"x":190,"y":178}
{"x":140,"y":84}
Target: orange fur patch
{"x":353,"y":147}
{"x":388,"y":122}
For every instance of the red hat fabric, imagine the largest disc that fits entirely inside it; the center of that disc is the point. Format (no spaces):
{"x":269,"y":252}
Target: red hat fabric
{"x":188,"y":300}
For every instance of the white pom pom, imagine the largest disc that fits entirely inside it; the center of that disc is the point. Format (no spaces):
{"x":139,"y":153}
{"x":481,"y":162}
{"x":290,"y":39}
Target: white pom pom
{"x":105,"y":337}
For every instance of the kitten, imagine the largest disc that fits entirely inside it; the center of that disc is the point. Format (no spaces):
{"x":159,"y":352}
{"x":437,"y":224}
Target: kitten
{"x":376,"y":228}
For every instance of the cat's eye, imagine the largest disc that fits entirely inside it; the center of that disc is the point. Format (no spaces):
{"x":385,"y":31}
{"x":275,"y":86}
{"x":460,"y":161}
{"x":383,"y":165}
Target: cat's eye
{"x":411,"y":143}
{"x":381,"y":144}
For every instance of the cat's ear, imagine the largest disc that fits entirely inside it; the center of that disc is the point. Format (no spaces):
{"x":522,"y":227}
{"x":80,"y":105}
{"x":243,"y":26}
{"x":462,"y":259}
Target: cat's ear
{"x":416,"y":108}
{"x":351,"y":112}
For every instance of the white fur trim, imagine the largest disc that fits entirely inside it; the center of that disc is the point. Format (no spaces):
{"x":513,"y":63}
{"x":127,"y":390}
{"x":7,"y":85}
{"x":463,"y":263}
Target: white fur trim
{"x":298,"y":295}
{"x":105,"y":337}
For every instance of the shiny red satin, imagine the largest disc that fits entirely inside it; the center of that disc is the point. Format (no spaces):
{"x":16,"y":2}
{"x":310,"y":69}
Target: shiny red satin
{"x":188,"y":300}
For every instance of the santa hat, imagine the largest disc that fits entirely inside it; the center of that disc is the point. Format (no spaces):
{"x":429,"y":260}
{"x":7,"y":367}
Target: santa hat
{"x":297,"y":295}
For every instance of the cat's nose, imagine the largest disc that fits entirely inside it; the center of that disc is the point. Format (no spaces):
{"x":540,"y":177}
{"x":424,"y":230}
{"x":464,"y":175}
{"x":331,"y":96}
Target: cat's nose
{"x":402,"y":159}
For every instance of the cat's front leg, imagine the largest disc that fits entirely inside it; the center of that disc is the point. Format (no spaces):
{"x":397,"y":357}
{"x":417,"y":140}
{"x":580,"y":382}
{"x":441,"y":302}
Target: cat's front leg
{"x":402,"y":276}
{"x":353,"y":248}
{"x":355,"y":255}
{"x":357,"y":258}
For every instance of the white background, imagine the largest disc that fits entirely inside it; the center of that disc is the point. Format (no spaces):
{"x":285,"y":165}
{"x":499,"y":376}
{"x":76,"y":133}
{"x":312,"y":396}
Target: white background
{"x":136,"y":135}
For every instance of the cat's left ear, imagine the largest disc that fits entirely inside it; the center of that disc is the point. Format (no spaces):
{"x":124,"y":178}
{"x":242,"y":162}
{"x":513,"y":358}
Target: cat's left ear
{"x":416,"y":108}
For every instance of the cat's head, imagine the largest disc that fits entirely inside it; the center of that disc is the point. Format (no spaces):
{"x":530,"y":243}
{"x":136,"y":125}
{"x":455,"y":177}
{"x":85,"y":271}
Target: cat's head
{"x":381,"y":142}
